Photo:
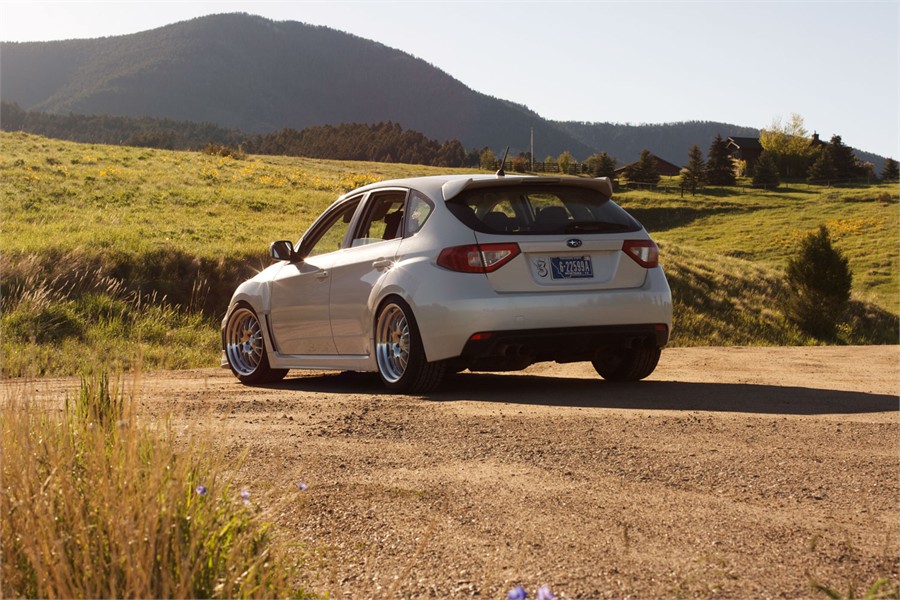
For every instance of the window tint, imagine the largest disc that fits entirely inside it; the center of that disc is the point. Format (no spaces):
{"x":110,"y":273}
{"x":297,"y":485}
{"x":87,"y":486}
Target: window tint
{"x":329,"y":235}
{"x":540,"y":209}
{"x":418,"y":210}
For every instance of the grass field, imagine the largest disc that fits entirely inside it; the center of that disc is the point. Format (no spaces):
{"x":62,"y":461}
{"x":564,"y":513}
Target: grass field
{"x":112,"y":255}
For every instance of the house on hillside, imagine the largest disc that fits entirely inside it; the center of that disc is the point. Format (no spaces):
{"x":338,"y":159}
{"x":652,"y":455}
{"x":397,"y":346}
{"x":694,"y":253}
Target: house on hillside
{"x":746,"y":149}
{"x":663,"y":167}
{"x":815,"y":142}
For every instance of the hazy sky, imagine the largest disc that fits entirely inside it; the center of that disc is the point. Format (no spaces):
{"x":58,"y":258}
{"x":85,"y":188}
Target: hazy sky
{"x":747,"y":63}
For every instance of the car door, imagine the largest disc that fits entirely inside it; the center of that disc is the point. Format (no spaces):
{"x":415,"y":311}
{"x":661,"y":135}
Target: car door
{"x":359,"y":270}
{"x":300,"y":292}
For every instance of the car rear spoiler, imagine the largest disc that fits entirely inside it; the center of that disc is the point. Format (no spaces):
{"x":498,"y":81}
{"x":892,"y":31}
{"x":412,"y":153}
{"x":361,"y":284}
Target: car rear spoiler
{"x":451,"y":189}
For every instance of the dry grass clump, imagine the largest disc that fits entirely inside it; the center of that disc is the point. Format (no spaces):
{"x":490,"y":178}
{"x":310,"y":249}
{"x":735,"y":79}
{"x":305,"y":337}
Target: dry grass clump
{"x":96,"y":505}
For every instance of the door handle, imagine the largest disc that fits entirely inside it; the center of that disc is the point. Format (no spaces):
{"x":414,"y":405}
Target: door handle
{"x":322,"y":275}
{"x":383,"y":263}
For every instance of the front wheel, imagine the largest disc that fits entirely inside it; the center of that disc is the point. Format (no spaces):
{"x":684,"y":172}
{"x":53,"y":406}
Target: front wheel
{"x":245,"y":349}
{"x":628,"y":364}
{"x":399,"y":352}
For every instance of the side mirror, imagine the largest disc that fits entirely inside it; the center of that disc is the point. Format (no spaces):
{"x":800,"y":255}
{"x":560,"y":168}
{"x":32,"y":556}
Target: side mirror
{"x":282,"y":250}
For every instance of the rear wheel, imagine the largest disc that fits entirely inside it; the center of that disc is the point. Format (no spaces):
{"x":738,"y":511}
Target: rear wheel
{"x":628,"y":364}
{"x":245,"y":348}
{"x":399,"y":352}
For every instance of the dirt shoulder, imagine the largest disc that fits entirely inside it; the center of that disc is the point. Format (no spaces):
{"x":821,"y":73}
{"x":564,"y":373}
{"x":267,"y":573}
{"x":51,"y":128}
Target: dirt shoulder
{"x":732,"y":472}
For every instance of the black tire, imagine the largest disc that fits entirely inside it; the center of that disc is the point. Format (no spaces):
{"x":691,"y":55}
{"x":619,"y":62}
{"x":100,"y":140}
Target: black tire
{"x":399,"y":353}
{"x":245,"y":348}
{"x":628,"y":364}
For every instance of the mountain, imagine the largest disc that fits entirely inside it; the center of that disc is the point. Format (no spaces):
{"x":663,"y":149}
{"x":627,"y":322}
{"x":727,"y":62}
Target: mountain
{"x":248,"y":73}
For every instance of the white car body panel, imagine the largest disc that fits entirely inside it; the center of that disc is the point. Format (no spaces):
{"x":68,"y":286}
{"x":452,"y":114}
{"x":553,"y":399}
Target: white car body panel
{"x":357,"y":277}
{"x":302,"y":328}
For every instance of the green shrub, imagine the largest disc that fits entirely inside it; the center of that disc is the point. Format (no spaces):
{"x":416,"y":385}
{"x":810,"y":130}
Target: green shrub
{"x":818,"y":285}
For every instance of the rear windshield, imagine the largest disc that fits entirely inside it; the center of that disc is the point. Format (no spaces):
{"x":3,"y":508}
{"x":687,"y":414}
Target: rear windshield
{"x":540,"y":209}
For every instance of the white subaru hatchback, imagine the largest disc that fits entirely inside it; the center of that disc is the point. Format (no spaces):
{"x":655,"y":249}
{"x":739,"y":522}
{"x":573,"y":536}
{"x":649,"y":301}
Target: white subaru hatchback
{"x":417,"y":278}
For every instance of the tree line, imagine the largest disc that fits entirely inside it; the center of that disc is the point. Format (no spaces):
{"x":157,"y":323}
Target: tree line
{"x":147,"y":132}
{"x":788,"y":152}
{"x":382,"y":142}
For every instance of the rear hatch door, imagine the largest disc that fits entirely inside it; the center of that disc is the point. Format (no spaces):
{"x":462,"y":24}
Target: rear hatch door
{"x":570,"y":234}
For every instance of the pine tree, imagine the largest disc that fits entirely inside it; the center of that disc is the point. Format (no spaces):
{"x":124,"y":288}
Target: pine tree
{"x":694,"y":174}
{"x":602,"y":165}
{"x":818,"y":285}
{"x":823,"y":168}
{"x":719,"y":169}
{"x":644,"y":170}
{"x":766,"y":173}
{"x":890,"y":171}
{"x":845,"y":163}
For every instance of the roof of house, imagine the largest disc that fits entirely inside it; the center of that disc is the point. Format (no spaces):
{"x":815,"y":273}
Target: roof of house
{"x":659,"y":163}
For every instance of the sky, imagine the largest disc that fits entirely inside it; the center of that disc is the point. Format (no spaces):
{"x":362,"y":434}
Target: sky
{"x":837,"y":64}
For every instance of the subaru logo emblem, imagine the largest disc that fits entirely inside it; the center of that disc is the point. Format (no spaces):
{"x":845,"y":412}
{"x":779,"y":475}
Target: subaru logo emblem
{"x":573,"y":243}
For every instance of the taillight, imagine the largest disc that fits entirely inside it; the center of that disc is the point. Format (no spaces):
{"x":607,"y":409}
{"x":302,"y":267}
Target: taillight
{"x":477,"y":258}
{"x":644,"y":252}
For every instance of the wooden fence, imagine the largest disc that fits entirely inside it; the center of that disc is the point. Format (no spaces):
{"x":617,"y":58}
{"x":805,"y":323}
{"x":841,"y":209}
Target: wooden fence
{"x":575,"y":168}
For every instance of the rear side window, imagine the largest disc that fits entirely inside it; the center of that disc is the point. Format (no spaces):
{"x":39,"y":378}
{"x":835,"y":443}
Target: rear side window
{"x":418,"y":211}
{"x":383,"y":216}
{"x":540,"y":209}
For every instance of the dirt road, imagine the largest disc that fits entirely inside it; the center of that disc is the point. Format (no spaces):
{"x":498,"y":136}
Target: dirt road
{"x":741,"y":472}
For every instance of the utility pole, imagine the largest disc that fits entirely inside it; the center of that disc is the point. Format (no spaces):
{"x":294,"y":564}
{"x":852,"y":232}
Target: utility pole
{"x":532,"y":149}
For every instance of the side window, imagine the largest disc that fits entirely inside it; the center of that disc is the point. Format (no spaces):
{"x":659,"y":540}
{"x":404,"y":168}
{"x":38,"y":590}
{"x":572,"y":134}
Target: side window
{"x":330,"y":234}
{"x":417,"y":212}
{"x":383,"y":218}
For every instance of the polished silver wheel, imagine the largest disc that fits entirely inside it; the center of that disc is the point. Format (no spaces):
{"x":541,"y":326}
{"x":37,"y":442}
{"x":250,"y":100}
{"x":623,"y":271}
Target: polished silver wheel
{"x":399,"y":353}
{"x":392,"y":343}
{"x":243,"y":342}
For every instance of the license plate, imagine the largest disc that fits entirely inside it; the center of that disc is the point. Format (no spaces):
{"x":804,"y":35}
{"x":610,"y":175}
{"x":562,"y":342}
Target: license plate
{"x":570,"y":267}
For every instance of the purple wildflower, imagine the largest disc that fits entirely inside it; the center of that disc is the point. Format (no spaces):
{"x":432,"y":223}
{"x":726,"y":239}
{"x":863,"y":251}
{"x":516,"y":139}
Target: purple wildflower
{"x":302,"y":486}
{"x":544,"y":593}
{"x":517,"y":593}
{"x":201,"y":490}
{"x":245,"y":496}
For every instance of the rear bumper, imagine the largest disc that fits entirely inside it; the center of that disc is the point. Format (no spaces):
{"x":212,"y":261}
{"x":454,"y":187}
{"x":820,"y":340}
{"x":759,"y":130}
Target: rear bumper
{"x":450,"y":314}
{"x":498,"y":350}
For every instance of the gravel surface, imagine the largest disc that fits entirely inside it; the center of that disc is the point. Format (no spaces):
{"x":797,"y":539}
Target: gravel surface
{"x":731,"y":472}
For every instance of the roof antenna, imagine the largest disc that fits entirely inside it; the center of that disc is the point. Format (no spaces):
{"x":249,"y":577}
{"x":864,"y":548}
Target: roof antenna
{"x":500,"y":171}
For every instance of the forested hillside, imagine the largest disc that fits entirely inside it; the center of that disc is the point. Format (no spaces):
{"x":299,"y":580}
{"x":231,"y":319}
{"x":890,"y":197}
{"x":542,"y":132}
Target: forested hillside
{"x":249,"y":73}
{"x":149,"y":132}
{"x":217,"y":76}
{"x":381,"y":142}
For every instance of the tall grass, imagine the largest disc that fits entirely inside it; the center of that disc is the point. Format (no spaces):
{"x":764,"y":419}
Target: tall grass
{"x":57,"y":324}
{"x":96,"y":505}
